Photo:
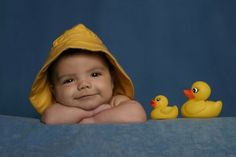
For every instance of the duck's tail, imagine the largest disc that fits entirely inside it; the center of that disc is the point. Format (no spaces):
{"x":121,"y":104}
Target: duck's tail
{"x":219,"y":105}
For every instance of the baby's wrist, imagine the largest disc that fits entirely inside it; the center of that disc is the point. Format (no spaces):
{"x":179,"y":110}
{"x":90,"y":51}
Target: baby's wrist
{"x":90,"y":120}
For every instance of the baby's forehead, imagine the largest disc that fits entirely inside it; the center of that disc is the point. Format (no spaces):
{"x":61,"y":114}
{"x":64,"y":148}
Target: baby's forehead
{"x":81,"y":61}
{"x":85,"y":56}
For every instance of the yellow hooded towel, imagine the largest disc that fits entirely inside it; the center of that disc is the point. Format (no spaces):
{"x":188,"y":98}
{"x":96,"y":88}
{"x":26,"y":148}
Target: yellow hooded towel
{"x":78,"y":37}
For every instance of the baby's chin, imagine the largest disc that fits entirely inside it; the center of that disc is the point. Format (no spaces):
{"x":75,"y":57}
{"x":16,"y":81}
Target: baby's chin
{"x":92,"y":103}
{"x":87,"y":103}
{"x":88,"y":106}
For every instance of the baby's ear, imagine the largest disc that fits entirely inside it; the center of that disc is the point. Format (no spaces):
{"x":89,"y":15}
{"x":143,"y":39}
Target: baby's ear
{"x":113,"y":85}
{"x":51,"y":88}
{"x":113,"y":79}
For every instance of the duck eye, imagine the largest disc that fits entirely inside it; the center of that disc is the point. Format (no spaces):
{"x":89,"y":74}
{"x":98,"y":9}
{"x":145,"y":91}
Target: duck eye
{"x":158,"y":99}
{"x":195,"y":90}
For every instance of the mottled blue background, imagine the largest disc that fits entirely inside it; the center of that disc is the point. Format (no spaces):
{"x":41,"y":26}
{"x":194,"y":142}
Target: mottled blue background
{"x":164,"y":45}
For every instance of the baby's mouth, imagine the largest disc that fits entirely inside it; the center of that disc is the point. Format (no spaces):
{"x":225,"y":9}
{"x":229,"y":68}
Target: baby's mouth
{"x":84,"y":96}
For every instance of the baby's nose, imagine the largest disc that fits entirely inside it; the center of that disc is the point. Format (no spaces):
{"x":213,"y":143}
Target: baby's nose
{"x":83,"y":84}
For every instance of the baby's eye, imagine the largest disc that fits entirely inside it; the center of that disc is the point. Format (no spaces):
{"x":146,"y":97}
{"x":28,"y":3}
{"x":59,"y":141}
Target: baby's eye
{"x":67,"y":81}
{"x":96,"y":74}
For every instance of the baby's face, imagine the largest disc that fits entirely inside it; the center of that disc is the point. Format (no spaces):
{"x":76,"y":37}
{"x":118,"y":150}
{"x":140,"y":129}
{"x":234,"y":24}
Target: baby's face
{"x":82,"y":81}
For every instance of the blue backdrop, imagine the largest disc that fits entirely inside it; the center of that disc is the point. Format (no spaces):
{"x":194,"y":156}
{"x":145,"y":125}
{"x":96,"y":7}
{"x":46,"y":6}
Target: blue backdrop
{"x":164,"y":45}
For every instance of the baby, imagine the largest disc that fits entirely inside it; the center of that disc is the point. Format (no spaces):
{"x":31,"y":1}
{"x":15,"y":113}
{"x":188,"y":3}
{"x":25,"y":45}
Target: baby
{"x":81,"y":82}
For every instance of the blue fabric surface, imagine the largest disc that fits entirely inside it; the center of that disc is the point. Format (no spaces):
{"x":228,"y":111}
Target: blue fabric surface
{"x":181,"y":137}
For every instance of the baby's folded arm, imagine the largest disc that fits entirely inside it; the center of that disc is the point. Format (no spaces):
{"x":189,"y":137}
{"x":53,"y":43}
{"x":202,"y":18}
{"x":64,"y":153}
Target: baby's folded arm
{"x":124,"y":111}
{"x":98,"y":110}
{"x":61,"y":114}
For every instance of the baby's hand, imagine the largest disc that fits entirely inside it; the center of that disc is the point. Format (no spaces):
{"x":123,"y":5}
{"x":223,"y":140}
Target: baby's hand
{"x":91,"y":120}
{"x":101,"y":108}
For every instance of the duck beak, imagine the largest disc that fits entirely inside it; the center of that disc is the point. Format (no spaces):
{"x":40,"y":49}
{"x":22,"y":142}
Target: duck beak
{"x":189,"y":93}
{"x":153,"y":103}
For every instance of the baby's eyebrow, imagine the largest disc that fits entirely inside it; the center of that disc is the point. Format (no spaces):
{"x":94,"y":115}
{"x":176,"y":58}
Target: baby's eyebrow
{"x":97,"y":68}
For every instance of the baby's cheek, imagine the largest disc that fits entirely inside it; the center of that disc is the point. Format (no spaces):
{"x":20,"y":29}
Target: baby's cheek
{"x":64,"y":97}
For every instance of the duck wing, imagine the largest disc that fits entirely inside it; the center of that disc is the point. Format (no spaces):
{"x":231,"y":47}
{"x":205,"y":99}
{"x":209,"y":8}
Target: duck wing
{"x":195,"y":107}
{"x":168,"y":110}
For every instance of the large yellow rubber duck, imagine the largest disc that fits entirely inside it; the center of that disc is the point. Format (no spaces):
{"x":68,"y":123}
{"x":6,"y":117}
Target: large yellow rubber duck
{"x":161,"y":109}
{"x":198,"y":106}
